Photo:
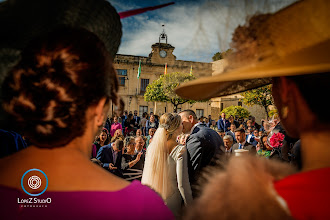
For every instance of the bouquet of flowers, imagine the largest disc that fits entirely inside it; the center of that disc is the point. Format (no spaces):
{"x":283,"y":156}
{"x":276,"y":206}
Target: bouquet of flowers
{"x":276,"y":140}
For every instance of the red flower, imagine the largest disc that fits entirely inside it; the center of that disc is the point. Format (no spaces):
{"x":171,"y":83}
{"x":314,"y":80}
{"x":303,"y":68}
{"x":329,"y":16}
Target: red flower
{"x":276,"y":140}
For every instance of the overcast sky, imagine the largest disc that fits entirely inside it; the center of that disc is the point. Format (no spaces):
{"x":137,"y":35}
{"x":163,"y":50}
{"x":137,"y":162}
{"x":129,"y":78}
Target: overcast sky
{"x":197,"y":29}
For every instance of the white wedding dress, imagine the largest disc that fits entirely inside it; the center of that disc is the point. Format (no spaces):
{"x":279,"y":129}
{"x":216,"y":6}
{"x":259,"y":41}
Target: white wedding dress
{"x":179,"y":180}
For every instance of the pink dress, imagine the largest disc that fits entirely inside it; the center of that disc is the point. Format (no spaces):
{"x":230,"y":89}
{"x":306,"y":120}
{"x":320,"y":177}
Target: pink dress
{"x":114,"y":128}
{"x":133,"y":202}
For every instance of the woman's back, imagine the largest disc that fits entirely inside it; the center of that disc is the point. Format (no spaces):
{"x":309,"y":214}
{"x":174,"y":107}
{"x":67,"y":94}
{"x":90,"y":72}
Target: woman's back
{"x":84,"y":191}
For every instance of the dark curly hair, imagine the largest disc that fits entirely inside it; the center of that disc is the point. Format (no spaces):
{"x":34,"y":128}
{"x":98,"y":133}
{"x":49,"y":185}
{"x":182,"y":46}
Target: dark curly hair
{"x":59,"y":76}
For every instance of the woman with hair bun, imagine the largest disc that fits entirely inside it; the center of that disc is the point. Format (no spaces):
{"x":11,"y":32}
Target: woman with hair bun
{"x":166,"y":164}
{"x":50,"y":96}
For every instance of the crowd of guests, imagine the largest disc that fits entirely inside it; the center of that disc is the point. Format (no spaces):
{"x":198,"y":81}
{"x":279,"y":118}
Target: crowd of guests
{"x":125,"y":155}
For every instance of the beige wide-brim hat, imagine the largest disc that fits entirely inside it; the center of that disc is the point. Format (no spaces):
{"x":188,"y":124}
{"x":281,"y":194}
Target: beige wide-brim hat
{"x":292,"y":41}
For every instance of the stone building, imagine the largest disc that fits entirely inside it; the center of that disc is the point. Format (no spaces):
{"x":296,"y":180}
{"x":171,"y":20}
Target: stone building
{"x":132,"y":89}
{"x":218,"y":104}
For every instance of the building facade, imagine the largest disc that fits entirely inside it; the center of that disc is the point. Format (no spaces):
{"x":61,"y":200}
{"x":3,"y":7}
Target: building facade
{"x":218,"y":104}
{"x":132,"y":89}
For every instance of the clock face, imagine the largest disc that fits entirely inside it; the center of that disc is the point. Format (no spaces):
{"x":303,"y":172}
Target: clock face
{"x":162,"y":53}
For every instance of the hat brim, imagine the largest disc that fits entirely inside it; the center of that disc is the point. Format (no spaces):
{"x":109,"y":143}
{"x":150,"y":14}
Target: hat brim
{"x":314,"y":59}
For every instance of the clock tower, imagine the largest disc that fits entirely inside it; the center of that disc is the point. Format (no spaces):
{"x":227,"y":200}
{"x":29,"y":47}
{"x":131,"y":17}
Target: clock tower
{"x":162,"y":52}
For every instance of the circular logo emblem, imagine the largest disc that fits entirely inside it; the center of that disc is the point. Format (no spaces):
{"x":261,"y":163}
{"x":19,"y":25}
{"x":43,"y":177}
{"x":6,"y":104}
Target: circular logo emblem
{"x":36,"y":180}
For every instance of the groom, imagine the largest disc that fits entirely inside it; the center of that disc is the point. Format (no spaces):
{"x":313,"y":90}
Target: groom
{"x":203,"y":145}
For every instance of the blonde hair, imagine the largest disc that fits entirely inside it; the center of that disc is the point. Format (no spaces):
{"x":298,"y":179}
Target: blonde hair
{"x":156,"y":169}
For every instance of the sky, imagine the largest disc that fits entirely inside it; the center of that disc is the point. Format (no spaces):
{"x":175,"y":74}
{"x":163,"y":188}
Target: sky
{"x":197,"y":28}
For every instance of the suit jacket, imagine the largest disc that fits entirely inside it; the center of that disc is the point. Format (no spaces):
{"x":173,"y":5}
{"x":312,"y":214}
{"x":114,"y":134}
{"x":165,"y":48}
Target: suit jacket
{"x":203,"y":145}
{"x":222,"y":126}
{"x":137,"y":120}
{"x":105,"y":155}
{"x":247,"y":146}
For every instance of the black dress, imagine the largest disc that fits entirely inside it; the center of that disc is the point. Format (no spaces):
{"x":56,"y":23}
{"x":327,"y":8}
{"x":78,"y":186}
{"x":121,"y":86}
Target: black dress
{"x":135,"y":172}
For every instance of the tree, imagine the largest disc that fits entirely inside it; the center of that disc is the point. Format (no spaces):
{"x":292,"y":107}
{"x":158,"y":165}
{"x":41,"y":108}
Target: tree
{"x":261,"y":96}
{"x":162,"y":89}
{"x":221,"y":55}
{"x":236,"y":110}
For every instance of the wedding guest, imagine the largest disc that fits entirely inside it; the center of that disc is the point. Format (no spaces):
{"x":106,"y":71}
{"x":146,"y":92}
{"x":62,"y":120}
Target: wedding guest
{"x":223,"y":123}
{"x":213,"y":125}
{"x":266,"y":150}
{"x":151,"y":123}
{"x":129,"y":125}
{"x":50,"y":96}
{"x":102,"y":139}
{"x":144,"y":123}
{"x":150,"y":136}
{"x":130,"y":159}
{"x":228,"y":145}
{"x":221,"y":133}
{"x":137,"y":119}
{"x":115,"y":126}
{"x":117,"y":136}
{"x":110,"y":155}
{"x":233,"y":121}
{"x":254,"y":123}
{"x":231,"y":132}
{"x":251,"y":138}
{"x":138,"y":133}
{"x":242,"y":143}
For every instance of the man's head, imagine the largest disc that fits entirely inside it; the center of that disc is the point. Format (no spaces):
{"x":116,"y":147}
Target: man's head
{"x":221,"y":133}
{"x":152,"y":131}
{"x":139,"y":143}
{"x":223,"y":115}
{"x":118,"y":145}
{"x":138,"y":132}
{"x":228,"y":141}
{"x":232,"y":127}
{"x":189,"y":119}
{"x":240,"y":135}
{"x":115,"y":119}
{"x":135,"y":113}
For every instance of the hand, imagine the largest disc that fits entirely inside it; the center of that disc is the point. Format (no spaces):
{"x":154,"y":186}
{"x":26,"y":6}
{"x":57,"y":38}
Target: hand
{"x":138,"y":157}
{"x":112,"y":167}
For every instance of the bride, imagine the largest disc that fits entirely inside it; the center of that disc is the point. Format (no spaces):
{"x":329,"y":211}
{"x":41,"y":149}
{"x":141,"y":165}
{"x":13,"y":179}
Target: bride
{"x":166,"y":164}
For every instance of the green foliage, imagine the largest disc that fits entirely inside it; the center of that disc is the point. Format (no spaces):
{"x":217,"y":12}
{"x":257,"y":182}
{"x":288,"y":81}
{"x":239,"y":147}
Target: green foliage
{"x":261,"y":96}
{"x":236,"y":110}
{"x":221,"y":55}
{"x":163,"y":89}
{"x":273,"y":112}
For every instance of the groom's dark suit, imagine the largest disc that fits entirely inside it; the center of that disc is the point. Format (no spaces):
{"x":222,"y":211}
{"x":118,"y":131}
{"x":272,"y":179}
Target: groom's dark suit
{"x":203,"y":145}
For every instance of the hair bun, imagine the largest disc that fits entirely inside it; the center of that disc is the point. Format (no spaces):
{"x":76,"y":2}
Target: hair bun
{"x":57,"y":79}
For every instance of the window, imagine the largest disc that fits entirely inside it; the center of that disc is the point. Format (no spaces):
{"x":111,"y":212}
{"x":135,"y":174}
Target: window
{"x":142,"y":109}
{"x":121,"y":81}
{"x":144,"y":84}
{"x":199,"y":112}
{"x":221,"y":106}
{"x":121,"y":72}
{"x":239,"y":103}
{"x":178,"y":110}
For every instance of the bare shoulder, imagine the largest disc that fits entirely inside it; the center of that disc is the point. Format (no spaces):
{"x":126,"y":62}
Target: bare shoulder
{"x":74,"y":174}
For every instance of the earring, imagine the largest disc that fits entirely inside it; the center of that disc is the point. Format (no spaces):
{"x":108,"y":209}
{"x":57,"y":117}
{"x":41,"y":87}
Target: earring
{"x":285,"y":111}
